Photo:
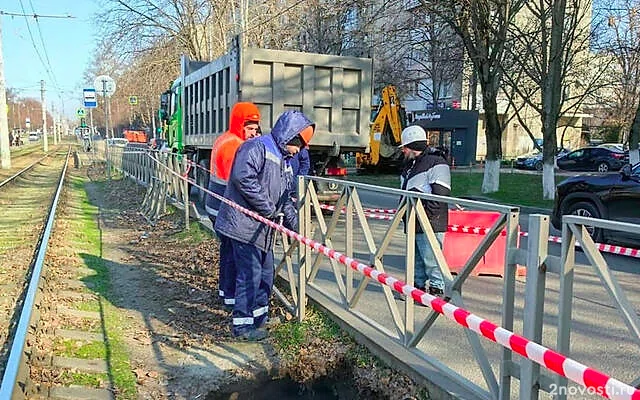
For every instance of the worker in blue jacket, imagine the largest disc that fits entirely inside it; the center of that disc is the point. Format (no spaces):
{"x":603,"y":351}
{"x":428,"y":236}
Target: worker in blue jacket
{"x":261,"y":180}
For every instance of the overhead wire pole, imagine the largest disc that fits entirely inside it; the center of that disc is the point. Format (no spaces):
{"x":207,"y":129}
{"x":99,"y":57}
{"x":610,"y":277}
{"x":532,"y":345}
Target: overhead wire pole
{"x":45,"y":141}
{"x":5,"y":154}
{"x":55,"y":130}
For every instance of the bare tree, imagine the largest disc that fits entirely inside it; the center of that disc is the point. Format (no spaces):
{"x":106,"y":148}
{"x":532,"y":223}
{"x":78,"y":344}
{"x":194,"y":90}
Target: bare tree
{"x":434,"y":54}
{"x":483,"y":25}
{"x":634,"y":137}
{"x":620,"y":38}
{"x":549,"y":67}
{"x":138,"y":25}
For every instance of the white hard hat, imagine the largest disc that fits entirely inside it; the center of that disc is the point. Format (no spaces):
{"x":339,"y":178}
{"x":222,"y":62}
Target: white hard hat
{"x":413,"y":133}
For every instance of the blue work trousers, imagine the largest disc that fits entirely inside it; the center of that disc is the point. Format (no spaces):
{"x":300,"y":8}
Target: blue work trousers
{"x":426,"y":267}
{"x":227,"y":272}
{"x":254,"y":281}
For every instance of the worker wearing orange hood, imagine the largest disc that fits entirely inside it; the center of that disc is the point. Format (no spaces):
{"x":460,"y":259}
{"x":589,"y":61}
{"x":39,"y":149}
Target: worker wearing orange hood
{"x":243,"y":125}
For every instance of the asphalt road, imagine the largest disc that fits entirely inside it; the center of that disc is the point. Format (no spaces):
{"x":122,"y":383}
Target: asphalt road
{"x":617,"y":263}
{"x":599,"y":338}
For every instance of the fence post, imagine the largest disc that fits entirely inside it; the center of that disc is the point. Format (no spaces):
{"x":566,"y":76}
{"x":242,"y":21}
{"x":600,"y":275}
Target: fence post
{"x":537,"y":251}
{"x":567,"y":265}
{"x":410,"y":259}
{"x":185,"y":190}
{"x":508,"y":301}
{"x":304,"y":254}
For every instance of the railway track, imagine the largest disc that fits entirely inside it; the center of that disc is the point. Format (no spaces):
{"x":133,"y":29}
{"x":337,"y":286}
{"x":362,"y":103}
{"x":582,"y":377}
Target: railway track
{"x":25,"y":156}
{"x":55,"y":343}
{"x":27,"y":207}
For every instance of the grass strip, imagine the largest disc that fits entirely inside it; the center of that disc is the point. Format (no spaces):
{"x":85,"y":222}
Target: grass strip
{"x":85,"y":234}
{"x":515,"y":189}
{"x":71,"y":348}
{"x":95,"y":381}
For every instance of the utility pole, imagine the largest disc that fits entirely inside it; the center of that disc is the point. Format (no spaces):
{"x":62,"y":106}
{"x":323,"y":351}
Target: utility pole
{"x":93,"y":149}
{"x":5,"y":153}
{"x":55,"y":130}
{"x":45,"y":141}
{"x":106,"y":126}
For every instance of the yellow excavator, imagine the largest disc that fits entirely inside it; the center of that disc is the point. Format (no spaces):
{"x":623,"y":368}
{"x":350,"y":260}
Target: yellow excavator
{"x":385,"y":134}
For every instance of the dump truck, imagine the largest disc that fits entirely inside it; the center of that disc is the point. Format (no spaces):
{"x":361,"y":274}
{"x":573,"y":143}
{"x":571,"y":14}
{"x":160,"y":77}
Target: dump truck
{"x":333,"y":91}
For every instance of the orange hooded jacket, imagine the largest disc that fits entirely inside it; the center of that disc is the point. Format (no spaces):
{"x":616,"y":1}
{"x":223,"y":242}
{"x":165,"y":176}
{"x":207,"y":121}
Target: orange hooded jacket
{"x":225,"y":147}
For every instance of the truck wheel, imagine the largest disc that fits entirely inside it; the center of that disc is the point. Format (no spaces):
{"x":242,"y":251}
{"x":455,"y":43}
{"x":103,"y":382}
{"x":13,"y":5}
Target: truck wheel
{"x":587,"y":209}
{"x":202,"y":179}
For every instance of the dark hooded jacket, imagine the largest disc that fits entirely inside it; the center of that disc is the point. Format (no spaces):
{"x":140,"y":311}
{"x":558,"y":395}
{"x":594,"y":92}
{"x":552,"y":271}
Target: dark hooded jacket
{"x":429,"y":173}
{"x":261,"y":178}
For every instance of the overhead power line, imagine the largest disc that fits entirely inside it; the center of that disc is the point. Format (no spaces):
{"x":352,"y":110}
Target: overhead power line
{"x":34,"y":15}
{"x":47,"y":66}
{"x":44,"y":46}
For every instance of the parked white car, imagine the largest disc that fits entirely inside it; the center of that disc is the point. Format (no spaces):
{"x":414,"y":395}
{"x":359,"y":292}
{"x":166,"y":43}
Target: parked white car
{"x":33,"y":136}
{"x":118,"y":142}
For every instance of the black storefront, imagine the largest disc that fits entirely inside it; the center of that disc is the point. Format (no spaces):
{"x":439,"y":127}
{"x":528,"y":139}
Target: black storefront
{"x":454,"y":130}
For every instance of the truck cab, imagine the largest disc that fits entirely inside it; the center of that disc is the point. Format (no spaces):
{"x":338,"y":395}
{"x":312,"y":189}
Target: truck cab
{"x":170,"y":115}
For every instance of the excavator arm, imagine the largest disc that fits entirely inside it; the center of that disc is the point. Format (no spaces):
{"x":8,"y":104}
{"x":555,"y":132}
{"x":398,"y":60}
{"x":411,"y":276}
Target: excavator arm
{"x":386,"y":129}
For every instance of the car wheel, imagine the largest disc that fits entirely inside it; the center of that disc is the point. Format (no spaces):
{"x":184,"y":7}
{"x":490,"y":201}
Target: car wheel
{"x":603,"y":167}
{"x":586,"y":209}
{"x":538,"y":166}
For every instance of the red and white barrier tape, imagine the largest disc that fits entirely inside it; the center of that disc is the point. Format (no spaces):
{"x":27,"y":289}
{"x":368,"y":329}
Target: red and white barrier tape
{"x":605,"y":248}
{"x":590,"y":378}
{"x":368,"y":210}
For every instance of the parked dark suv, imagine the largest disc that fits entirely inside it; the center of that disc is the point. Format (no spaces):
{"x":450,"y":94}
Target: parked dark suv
{"x":613,"y":196}
{"x":593,"y":159}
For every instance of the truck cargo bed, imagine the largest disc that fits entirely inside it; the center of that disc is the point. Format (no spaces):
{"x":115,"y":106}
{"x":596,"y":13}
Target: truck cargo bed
{"x":334,"y":91}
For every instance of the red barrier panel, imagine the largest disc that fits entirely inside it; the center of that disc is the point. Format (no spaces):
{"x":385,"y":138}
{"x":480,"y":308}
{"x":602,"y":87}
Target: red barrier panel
{"x":459,"y":246}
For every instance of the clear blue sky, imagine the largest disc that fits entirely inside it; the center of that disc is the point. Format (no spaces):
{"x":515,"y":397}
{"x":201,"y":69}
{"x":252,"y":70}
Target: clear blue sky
{"x":69,"y":44}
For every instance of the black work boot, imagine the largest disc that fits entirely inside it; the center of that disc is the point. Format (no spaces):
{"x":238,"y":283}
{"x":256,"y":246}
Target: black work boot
{"x":434,"y":291}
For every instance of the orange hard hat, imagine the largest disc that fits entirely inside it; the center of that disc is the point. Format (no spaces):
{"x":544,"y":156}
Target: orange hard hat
{"x":307,"y":134}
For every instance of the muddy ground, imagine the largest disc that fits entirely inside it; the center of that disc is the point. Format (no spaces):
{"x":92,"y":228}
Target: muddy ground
{"x":178,"y":332}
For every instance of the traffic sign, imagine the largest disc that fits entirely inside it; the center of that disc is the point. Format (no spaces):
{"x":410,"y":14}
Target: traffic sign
{"x":27,"y":122}
{"x":80,"y":112}
{"x":89,"y":96}
{"x":133,"y":100}
{"x":105,"y":85}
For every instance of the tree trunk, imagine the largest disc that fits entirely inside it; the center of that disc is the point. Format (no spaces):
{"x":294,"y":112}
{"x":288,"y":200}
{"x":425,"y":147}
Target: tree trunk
{"x":491,"y":180}
{"x":473,"y":88}
{"x":551,"y":98}
{"x":549,"y":121}
{"x":634,"y":138}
